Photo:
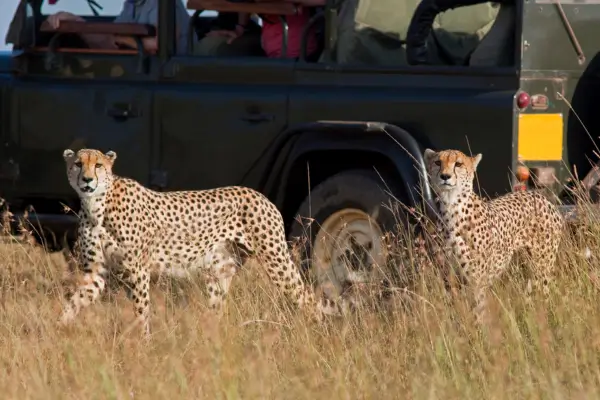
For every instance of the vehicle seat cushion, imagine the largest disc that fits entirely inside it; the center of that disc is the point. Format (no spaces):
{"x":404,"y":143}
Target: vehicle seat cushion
{"x":498,"y":46}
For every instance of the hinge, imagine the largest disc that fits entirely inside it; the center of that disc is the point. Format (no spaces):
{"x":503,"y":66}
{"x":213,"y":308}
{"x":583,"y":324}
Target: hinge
{"x":158,"y":178}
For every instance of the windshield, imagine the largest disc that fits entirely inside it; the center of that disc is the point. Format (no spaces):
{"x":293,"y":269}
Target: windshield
{"x":93,"y":6}
{"x":5,"y":19}
{"x":108,"y":8}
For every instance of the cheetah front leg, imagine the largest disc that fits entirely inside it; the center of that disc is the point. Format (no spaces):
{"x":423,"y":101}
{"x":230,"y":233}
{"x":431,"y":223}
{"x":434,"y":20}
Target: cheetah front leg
{"x":139,"y":279}
{"x":136,"y":265}
{"x":483,"y":280}
{"x":474,"y":273}
{"x":90,"y":242}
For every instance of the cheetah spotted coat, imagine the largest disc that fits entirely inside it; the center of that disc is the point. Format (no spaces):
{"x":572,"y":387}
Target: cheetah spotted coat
{"x":126,"y":225}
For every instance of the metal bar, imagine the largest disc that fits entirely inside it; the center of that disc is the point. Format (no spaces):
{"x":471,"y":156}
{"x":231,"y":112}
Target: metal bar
{"x":191,"y":31}
{"x":166,"y":29}
{"x":284,"y":39}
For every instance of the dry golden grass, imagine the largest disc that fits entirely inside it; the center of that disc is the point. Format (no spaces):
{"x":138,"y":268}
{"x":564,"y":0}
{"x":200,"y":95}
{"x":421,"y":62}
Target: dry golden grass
{"x":429,"y":347}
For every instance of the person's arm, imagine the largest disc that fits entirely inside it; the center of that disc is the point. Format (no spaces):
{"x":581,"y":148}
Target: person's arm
{"x":243,"y":20}
{"x":92,"y":40}
{"x":309,"y":3}
{"x":150,"y":44}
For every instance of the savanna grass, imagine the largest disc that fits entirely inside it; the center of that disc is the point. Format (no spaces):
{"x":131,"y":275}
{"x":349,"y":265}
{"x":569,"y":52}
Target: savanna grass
{"x":424,"y":343}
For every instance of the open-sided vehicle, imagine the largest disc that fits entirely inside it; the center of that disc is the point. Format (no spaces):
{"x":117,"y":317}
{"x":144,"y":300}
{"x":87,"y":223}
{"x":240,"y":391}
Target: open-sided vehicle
{"x":332,"y":140}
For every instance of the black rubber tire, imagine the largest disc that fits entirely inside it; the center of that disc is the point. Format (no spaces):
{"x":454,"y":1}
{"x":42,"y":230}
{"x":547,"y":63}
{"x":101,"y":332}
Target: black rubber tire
{"x":358,"y":188}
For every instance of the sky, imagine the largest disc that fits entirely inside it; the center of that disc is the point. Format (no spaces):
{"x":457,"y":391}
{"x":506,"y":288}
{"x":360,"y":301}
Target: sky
{"x":79,"y":7}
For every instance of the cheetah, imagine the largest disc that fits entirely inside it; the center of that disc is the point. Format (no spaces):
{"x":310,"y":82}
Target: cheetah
{"x":126,"y":226}
{"x":482,"y":234}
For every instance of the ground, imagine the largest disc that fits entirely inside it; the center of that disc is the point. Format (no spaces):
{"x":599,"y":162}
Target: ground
{"x":430,"y":349}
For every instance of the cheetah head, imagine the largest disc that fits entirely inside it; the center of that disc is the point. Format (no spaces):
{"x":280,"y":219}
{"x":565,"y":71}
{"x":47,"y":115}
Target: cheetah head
{"x":89,"y":171}
{"x":451,"y":170}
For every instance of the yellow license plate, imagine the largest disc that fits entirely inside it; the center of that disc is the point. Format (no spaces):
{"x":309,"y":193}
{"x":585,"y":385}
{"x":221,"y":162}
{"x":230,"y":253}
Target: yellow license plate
{"x":540,"y":137}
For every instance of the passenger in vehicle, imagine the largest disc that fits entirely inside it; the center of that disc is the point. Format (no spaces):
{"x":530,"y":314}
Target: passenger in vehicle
{"x":230,"y":34}
{"x":272,"y":31}
{"x":134,"y":11}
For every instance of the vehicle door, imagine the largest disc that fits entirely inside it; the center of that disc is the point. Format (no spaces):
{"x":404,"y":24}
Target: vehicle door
{"x":217,"y":116}
{"x":74,"y":99}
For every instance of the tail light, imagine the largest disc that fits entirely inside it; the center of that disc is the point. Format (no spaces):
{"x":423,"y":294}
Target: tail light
{"x":523,"y":174}
{"x":523,"y":100}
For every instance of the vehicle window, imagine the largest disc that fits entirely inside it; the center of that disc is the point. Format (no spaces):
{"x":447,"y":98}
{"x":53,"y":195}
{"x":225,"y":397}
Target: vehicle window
{"x":5,"y":20}
{"x":118,"y":11}
{"x":259,"y":33}
{"x":372,"y":32}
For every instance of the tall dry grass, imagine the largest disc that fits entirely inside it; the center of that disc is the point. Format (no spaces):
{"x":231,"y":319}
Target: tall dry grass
{"x":422,"y":344}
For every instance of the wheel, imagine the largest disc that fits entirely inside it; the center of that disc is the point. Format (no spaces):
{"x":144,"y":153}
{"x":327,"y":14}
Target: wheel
{"x":348,"y":215}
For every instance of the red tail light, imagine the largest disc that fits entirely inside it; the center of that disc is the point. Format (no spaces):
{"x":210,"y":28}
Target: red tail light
{"x":523,"y":100}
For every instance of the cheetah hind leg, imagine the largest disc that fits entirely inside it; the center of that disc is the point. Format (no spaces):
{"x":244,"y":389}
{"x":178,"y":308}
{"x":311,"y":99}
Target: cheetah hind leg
{"x":481,"y":303}
{"x":285,"y":275}
{"x":542,"y":267}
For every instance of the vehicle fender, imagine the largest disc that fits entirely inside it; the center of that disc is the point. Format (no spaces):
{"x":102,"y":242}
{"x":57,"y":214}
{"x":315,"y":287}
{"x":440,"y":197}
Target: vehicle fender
{"x":399,"y":147}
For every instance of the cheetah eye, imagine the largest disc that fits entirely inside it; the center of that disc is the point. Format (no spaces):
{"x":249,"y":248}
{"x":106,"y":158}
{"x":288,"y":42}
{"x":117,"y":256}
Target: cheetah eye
{"x":78,"y":164}
{"x":438,"y":163}
{"x":99,"y":165}
{"x":458,"y":164}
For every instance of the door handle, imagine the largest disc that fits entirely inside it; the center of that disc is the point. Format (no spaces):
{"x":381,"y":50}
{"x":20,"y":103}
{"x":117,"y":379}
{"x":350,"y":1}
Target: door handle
{"x":258,"y":117}
{"x":122,"y":111}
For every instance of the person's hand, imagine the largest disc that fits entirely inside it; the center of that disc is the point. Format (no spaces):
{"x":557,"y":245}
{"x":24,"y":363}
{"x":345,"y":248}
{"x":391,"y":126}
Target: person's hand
{"x":150,"y":44}
{"x":54,"y":19}
{"x":125,"y":41}
{"x":231,"y":35}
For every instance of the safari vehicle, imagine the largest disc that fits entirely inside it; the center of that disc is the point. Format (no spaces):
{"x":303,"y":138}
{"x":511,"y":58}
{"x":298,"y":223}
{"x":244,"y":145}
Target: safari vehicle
{"x":332,"y":140}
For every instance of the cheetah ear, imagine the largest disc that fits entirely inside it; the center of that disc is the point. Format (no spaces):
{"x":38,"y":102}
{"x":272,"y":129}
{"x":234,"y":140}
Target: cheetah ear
{"x":476,"y":160}
{"x":111,"y":155}
{"x":68,"y":154}
{"x":429,"y":155}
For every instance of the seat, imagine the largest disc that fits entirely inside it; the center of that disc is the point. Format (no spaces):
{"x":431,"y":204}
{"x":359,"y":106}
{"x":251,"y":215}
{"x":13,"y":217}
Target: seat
{"x":497,"y":48}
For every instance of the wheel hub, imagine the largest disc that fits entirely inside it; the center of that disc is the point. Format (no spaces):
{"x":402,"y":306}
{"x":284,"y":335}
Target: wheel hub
{"x":346,"y":250}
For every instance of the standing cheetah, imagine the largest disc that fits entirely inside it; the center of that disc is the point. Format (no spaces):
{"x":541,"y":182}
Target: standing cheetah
{"x":141,"y":230}
{"x":484,"y":235}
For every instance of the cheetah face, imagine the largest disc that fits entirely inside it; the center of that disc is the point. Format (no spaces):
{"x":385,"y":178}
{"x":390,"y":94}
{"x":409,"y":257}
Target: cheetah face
{"x":451,"y":169}
{"x":89,"y":171}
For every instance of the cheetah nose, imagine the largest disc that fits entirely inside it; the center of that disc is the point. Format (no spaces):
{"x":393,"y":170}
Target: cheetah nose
{"x":87,"y":180}
{"x":445,"y":177}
